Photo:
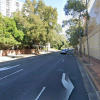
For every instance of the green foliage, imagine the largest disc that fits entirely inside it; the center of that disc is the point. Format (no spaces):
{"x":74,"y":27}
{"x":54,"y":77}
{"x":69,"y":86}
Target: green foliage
{"x":42,"y":20}
{"x":75,"y":32}
{"x":77,"y":9}
{"x":59,"y":42}
{"x":74,"y":6}
{"x":7,"y":32}
{"x":36,"y":24}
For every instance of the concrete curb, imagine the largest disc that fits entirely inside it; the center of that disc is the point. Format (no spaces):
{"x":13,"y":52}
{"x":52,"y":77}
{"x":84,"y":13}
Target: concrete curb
{"x":90,"y":77}
{"x":67,"y":84}
{"x":15,"y":56}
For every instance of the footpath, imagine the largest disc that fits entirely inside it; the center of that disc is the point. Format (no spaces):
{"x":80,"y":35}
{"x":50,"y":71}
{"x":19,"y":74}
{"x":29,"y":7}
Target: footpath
{"x":14,"y":57}
{"x":93,"y":70}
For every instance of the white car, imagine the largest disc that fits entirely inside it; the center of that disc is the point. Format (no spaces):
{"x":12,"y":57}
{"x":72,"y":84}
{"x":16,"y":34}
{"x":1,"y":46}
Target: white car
{"x":67,"y":50}
{"x":63,"y":51}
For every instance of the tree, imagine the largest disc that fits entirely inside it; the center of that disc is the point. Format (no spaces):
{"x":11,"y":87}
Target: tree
{"x":43,"y":21}
{"x":59,"y":42}
{"x":74,"y":31}
{"x":74,"y":35}
{"x":76,"y":9}
{"x":38,"y":22}
{"x":36,"y":32}
{"x":49,"y":17}
{"x":8,"y":33}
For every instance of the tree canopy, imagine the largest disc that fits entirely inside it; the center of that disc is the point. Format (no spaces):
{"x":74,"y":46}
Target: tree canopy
{"x":36,"y":24}
{"x":78,"y":11}
{"x":9,"y":34}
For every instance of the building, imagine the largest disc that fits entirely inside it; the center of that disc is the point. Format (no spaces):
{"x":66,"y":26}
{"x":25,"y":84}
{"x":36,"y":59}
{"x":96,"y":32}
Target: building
{"x":7,"y":7}
{"x":93,"y":30}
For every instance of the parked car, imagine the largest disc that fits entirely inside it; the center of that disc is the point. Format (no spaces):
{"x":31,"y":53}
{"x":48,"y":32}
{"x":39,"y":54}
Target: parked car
{"x":71,"y":49}
{"x":63,"y":51}
{"x":67,"y":50}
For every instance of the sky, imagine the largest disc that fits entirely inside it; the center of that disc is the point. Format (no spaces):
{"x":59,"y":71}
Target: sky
{"x":59,"y":4}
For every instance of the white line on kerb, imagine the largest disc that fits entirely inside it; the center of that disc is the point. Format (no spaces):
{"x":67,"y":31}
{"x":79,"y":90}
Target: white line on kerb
{"x":63,"y":60}
{"x":40,"y":93}
{"x":11,"y":74}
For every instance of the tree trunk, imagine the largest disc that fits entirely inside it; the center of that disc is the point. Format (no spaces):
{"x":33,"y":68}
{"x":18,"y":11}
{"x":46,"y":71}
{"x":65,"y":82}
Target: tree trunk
{"x":38,"y":48}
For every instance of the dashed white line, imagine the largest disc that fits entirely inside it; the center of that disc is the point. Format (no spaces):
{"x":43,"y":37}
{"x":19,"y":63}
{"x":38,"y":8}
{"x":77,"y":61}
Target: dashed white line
{"x":6,"y":68}
{"x":63,"y":60}
{"x":11,"y":74}
{"x":40,"y":93}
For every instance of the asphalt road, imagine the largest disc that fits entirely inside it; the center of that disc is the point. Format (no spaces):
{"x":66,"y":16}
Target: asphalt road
{"x":39,"y":78}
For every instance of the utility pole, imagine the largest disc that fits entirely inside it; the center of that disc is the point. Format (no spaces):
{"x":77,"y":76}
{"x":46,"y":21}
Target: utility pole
{"x":87,"y":33}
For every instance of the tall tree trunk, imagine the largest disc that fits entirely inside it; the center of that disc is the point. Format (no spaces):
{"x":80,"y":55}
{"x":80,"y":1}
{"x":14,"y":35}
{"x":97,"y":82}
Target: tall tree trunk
{"x":38,"y":47}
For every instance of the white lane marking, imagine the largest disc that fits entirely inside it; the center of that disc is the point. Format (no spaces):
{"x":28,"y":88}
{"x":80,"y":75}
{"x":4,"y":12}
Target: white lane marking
{"x":6,"y":68}
{"x":63,"y":60}
{"x":11,"y":74}
{"x":40,"y":93}
{"x":67,"y":84}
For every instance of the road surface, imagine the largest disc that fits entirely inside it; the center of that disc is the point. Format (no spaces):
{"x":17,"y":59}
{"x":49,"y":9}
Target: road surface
{"x":39,"y":78}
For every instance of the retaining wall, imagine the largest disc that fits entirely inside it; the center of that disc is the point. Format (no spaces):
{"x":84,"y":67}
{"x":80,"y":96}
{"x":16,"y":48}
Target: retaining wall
{"x":16,"y":52}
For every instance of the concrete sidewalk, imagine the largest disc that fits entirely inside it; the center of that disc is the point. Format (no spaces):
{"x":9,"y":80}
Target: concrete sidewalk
{"x":14,"y":57}
{"x":93,"y":70}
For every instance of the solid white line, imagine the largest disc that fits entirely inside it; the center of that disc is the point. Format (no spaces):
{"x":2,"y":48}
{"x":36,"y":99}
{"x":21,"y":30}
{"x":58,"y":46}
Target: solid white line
{"x":40,"y":93}
{"x":6,"y":68}
{"x":11,"y":74}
